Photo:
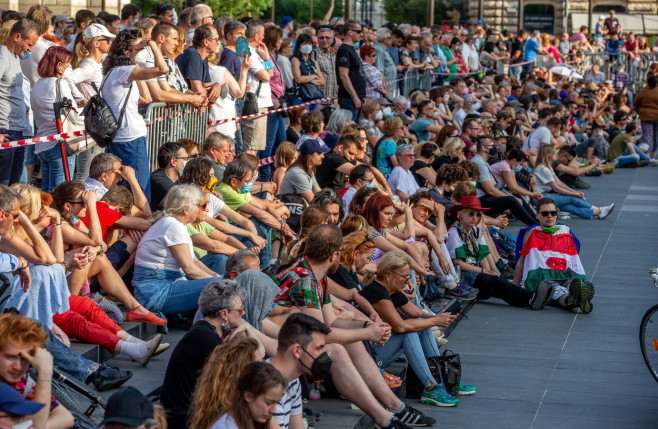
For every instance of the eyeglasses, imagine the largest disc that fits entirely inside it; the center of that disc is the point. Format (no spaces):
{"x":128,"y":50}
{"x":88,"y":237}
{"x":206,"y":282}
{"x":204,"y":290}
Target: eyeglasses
{"x":475,"y":214}
{"x":84,"y":204}
{"x":341,"y":250}
{"x":239,"y":309}
{"x":424,"y":210}
{"x":548,"y":213}
{"x":194,"y":156}
{"x":372,"y":56}
{"x":208,"y":17}
{"x":356,"y":31}
{"x":184,"y":158}
{"x":406,"y":278}
{"x":104,"y":39}
{"x":14,"y":215}
{"x":203,"y":206}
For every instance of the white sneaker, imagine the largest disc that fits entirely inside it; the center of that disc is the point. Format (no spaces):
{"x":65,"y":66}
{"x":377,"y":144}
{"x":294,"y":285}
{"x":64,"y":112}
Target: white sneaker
{"x":653,"y":161}
{"x":606,"y":210}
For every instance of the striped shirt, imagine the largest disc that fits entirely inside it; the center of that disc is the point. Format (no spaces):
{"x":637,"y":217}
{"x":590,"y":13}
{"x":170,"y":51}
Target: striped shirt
{"x":290,"y":403}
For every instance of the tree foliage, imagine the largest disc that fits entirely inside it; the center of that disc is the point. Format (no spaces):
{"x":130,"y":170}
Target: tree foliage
{"x":233,"y":8}
{"x":299,"y":9}
{"x":413,"y":11}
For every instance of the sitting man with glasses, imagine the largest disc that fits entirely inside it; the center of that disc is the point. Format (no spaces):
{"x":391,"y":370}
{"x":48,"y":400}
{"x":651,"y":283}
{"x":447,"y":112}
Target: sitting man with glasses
{"x":548,"y":253}
{"x":402,"y":180}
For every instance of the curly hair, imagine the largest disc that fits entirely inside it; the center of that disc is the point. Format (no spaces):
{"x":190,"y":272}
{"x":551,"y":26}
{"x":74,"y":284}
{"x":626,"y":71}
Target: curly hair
{"x":471,"y":168}
{"x":219,"y":377}
{"x":123,"y":43}
{"x":18,"y":329}
{"x":197,"y":172}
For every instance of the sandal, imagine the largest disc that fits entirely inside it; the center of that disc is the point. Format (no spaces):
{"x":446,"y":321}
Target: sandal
{"x":393,"y":381}
{"x":149,"y":318}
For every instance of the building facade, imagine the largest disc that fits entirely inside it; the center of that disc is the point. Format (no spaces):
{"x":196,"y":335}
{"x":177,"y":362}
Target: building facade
{"x":66,"y":7}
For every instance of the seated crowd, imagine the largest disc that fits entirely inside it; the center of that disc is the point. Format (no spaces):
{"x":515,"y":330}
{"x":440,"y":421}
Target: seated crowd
{"x":308,"y":267}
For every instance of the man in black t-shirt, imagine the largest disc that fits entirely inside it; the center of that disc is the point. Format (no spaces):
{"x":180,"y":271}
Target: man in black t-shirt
{"x":171,"y":160}
{"x":349,"y":69}
{"x":612,"y":25}
{"x":337,"y":164}
{"x":516,"y":52}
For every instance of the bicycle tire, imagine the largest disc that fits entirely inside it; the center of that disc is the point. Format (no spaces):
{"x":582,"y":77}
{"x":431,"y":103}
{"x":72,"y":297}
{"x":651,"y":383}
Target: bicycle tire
{"x":649,"y":340}
{"x":86,"y":407}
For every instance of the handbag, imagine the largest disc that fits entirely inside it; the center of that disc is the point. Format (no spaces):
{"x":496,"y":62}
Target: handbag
{"x":309,"y":91}
{"x":100,"y":122}
{"x":251,"y":101}
{"x":446,"y":369}
{"x":74,"y":145}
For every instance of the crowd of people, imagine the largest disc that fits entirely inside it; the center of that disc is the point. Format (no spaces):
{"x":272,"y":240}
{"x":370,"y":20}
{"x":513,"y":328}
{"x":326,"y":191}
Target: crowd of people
{"x":315,"y":265}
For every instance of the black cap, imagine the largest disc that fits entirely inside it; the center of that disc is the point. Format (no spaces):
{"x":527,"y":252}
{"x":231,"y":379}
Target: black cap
{"x":128,"y":407}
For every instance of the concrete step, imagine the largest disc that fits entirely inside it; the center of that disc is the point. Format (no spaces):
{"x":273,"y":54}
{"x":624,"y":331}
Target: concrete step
{"x":100,"y":354}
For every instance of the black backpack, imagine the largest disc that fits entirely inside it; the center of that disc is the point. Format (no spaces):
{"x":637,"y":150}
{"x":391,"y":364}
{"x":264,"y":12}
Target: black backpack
{"x":100,"y":122}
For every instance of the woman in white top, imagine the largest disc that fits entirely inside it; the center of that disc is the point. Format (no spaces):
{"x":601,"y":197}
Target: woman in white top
{"x":121,"y":76}
{"x":96,"y":42}
{"x":168,"y":277}
{"x":45,"y":92}
{"x":224,"y":107}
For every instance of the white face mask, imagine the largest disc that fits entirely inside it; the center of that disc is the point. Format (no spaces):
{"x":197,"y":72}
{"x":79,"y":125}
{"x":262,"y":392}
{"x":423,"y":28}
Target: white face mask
{"x":387,"y":111}
{"x":27,"y":424}
{"x":306,"y":49}
{"x":379,"y":116}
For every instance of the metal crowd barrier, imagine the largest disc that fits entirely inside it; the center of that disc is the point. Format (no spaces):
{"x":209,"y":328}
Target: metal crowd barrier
{"x":170,"y":122}
{"x":413,"y":79}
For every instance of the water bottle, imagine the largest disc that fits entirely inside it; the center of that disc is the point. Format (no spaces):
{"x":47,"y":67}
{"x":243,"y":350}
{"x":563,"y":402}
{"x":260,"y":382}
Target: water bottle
{"x":495,"y":236}
{"x":314,"y":394}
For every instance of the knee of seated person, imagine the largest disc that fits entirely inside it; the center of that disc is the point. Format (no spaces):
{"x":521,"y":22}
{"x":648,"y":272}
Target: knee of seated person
{"x":337,"y":352}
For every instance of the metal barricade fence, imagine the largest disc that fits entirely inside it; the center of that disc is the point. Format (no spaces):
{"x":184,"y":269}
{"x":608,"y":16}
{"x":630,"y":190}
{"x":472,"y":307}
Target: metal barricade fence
{"x":170,"y":122}
{"x":413,"y":79}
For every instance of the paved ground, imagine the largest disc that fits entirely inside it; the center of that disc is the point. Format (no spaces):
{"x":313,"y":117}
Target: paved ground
{"x":551,"y":368}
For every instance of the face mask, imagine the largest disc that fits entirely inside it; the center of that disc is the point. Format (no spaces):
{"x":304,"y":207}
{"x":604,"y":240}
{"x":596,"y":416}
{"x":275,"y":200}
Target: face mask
{"x":321,"y":366}
{"x":387,"y":111}
{"x":26,"y":55}
{"x":180,"y":172}
{"x":370,"y":185}
{"x":74,"y":219}
{"x":379,"y":116}
{"x":477,"y":106}
{"x":518,"y":168}
{"x":578,"y":90}
{"x":247,"y":188}
{"x":210,"y":186}
{"x":465,"y":90}
{"x":473,"y":183}
{"x":255,"y":177}
{"x":456,"y":48}
{"x":356,"y":45}
{"x":493,"y":151}
{"x":446,"y":97}
{"x":306,"y":49}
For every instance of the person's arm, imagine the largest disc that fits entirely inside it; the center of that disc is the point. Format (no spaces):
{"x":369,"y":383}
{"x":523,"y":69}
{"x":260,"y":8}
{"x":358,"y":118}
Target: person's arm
{"x":297,"y":72}
{"x":385,"y":246}
{"x":132,"y":222}
{"x":344,"y":76}
{"x":433,"y":128}
{"x":389,"y":314}
{"x":577,"y":171}
{"x":95,"y":231}
{"x":319,"y":81}
{"x":346,"y":331}
{"x":381,"y":180}
{"x":141,"y":203}
{"x":351,"y":295}
{"x":37,"y":253}
{"x":325,"y":20}
{"x":428,"y":174}
{"x":236,"y":218}
{"x":489,"y":188}
{"x":212,"y":245}
{"x":237,"y":88}
{"x":146,"y":73}
{"x":268,"y":219}
{"x":514,"y":188}
{"x":162,"y":92}
{"x":189,"y":266}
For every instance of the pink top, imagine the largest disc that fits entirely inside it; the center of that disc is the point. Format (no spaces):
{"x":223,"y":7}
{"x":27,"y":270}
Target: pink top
{"x":277,"y":84}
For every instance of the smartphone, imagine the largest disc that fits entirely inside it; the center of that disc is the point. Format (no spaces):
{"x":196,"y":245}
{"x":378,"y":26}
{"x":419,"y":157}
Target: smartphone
{"x":453,"y":307}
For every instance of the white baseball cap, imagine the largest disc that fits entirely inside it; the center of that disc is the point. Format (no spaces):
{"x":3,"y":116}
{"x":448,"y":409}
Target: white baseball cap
{"x":601,"y":17}
{"x":97,"y":30}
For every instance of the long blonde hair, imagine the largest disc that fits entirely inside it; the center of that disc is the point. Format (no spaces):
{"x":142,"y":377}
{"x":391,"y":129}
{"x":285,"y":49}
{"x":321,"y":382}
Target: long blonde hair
{"x":215,"y":385}
{"x":544,"y":156}
{"x":83,"y":50}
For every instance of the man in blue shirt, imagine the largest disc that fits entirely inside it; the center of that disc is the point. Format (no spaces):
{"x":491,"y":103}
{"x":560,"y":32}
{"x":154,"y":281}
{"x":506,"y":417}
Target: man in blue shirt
{"x":532,"y":49}
{"x":613,"y":46}
{"x":425,"y":124}
{"x":193,"y":62}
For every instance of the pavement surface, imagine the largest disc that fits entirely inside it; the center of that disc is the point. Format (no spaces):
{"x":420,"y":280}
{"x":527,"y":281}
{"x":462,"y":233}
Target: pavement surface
{"x":550,"y":368}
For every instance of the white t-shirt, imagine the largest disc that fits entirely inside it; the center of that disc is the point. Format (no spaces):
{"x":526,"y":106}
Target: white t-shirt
{"x":347,"y":198}
{"x":544,"y":176}
{"x":225,"y":422}
{"x":153,"y":249}
{"x":42,"y":97}
{"x":145,"y":58}
{"x":459,"y":116}
{"x":30,"y":65}
{"x":224,"y":107}
{"x":541,"y":135}
{"x":80,"y":79}
{"x":215,"y":205}
{"x":115,"y":91}
{"x":265,"y":94}
{"x":403,"y":181}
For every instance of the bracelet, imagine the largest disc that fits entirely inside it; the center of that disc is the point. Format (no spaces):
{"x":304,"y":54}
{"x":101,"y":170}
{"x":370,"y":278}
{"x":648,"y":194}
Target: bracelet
{"x":365,"y":325}
{"x":355,"y":96}
{"x":268,"y":65}
{"x":58,"y":224}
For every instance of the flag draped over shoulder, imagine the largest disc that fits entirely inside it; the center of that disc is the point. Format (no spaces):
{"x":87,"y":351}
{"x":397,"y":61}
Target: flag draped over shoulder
{"x":550,"y":257}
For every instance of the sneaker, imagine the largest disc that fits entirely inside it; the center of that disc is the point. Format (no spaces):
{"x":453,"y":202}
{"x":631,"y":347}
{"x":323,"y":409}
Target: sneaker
{"x":438,"y":396}
{"x":439,"y":336}
{"x":106,"y":378}
{"x":580,"y":184}
{"x":653,"y":161}
{"x":414,"y":418}
{"x":542,"y":295}
{"x":466,"y":389}
{"x":580,"y":295}
{"x":163,"y":347}
{"x":606,"y":210}
{"x":151,"y":347}
{"x":643,"y":163}
{"x":563,"y":215}
{"x":394,"y":424}
{"x":463,"y":292}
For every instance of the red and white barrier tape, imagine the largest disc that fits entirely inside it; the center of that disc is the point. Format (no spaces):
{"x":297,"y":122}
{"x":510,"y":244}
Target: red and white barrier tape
{"x":35,"y":140}
{"x":265,"y":161}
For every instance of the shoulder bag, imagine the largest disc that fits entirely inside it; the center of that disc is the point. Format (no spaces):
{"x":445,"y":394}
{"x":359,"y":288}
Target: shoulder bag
{"x":74,"y":145}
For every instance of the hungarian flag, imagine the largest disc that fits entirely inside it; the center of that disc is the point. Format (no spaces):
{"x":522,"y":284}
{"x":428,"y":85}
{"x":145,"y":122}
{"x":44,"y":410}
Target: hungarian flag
{"x":550,"y":257}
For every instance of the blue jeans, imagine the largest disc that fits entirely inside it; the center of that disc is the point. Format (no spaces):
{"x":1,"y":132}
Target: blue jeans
{"x":83,"y":162}
{"x":216,"y":262}
{"x":416,"y":346}
{"x":264,"y":231}
{"x":52,"y":169}
{"x":348,"y":104}
{"x":515,"y":71}
{"x":627,"y":159}
{"x":133,"y":154}
{"x":573,"y":205}
{"x":12,"y":160}
{"x":67,"y":359}
{"x":167,"y":291}
{"x":276,"y":133}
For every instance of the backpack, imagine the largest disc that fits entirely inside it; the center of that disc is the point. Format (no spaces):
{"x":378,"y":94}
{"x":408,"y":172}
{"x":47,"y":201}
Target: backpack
{"x":100,"y":122}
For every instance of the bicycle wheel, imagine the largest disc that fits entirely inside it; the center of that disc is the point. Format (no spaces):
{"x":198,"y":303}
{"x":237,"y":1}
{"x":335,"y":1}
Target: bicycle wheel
{"x":649,"y":340}
{"x":86,"y":407}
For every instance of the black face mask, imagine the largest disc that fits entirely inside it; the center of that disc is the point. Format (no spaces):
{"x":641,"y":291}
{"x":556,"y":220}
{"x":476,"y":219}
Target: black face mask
{"x":493,"y":150}
{"x":321,"y":366}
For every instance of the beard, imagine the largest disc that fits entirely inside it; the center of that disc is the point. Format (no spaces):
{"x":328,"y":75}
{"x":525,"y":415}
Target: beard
{"x":333,"y":267}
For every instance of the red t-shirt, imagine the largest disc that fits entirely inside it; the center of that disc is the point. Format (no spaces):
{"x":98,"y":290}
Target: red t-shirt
{"x":106,"y":215}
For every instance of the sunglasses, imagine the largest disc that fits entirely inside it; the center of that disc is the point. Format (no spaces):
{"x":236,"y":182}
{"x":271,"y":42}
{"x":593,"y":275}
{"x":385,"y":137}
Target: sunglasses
{"x":547,"y":213}
{"x":368,"y":239}
{"x":475,"y":214}
{"x":105,"y":39}
{"x":424,"y":210}
{"x":84,"y":204}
